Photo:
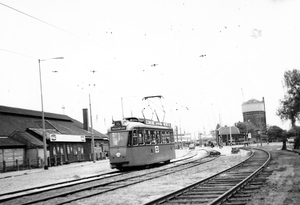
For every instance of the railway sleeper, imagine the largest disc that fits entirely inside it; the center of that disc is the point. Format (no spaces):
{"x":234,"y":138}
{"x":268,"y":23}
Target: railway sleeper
{"x":196,"y":201}
{"x":252,"y":191}
{"x":244,"y":202}
{"x":197,"y":196}
{"x":239,"y":177}
{"x":256,"y":183}
{"x":242,"y":199}
{"x":215,"y":186}
{"x":251,"y":187}
{"x":242,"y":195}
{"x":266,"y":172}
{"x":205,"y":193}
{"x":239,"y":173}
{"x":227,"y":181}
{"x":204,"y":190}
{"x":224,"y":184}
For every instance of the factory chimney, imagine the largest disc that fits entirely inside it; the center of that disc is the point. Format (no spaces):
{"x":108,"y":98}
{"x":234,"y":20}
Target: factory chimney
{"x":85,"y":119}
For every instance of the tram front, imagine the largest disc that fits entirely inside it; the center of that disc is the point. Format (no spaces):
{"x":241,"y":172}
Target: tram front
{"x":118,"y":139}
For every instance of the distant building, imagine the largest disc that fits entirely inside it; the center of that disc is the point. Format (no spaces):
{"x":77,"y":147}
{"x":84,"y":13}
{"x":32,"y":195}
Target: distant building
{"x":254,"y":111}
{"x":229,"y":135}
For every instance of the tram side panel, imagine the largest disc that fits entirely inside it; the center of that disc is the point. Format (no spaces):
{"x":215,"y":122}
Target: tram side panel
{"x":122,"y":157}
{"x":150,"y":154}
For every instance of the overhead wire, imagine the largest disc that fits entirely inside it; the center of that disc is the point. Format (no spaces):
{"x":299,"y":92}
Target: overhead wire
{"x":16,"y":53}
{"x":49,"y":24}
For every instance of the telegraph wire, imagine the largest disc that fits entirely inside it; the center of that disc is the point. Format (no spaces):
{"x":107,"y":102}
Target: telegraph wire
{"x":18,"y":53}
{"x":49,"y":24}
{"x":36,"y":18}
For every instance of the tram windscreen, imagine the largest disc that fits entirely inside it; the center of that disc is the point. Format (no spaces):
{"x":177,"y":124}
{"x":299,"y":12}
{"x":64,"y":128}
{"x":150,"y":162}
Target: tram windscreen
{"x":118,"y":139}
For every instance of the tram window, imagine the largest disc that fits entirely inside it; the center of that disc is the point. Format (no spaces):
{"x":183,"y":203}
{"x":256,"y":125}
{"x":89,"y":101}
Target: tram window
{"x":147,"y":137}
{"x":140,"y":137}
{"x":171,"y":137}
{"x":118,"y":139}
{"x":167,"y":137}
{"x":158,"y":137}
{"x":130,"y":138}
{"x":163,"y":138}
{"x":134,"y":137}
{"x":153,"y":137}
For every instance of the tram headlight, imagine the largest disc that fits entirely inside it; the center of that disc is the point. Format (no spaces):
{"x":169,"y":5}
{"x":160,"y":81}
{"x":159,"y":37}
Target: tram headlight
{"x":118,"y":154}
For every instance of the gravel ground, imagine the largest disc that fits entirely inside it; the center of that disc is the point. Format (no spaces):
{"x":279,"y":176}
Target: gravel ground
{"x":282,"y":187}
{"x":144,"y":192}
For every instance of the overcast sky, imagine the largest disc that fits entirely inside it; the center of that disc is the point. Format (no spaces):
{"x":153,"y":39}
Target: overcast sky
{"x":204,"y":57}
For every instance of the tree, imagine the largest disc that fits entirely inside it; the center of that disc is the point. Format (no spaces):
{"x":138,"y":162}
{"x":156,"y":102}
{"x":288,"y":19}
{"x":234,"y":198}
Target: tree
{"x":284,"y":139}
{"x":290,"y":106}
{"x":246,"y":127}
{"x":275,"y":132}
{"x":295,"y":132}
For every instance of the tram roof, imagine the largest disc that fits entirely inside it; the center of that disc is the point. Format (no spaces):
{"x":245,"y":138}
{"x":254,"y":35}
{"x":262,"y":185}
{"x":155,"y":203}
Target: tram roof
{"x":133,"y":122}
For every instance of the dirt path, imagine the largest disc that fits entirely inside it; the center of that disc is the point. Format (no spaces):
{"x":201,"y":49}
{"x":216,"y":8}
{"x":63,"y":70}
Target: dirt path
{"x":283,"y":186}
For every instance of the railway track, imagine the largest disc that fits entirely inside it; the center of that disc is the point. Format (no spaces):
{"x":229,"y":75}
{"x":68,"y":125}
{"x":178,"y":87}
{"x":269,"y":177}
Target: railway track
{"x":231,"y":186}
{"x":71,"y":191}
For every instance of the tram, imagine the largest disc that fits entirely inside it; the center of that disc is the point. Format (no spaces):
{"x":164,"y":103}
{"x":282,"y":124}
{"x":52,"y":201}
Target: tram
{"x":136,"y":142}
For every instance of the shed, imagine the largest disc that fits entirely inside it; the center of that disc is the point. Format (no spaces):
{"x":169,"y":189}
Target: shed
{"x":229,"y":135}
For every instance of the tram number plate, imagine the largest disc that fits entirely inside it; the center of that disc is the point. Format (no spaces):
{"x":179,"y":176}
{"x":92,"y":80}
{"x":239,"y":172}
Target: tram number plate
{"x":156,"y":149}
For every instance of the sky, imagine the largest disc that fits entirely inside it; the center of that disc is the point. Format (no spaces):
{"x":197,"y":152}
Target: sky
{"x":204,"y":57}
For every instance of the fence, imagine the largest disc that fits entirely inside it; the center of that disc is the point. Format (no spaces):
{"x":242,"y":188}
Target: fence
{"x":7,"y":166}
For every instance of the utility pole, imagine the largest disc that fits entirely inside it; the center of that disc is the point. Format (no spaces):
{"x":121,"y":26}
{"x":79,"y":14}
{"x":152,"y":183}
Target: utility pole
{"x":92,"y":131}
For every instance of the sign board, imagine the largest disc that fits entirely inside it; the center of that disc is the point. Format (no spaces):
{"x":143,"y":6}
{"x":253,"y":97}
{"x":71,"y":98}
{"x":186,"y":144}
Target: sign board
{"x":118,"y":128}
{"x":156,"y":149}
{"x":66,"y":138}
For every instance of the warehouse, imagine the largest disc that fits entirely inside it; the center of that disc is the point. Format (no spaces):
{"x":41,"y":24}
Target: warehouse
{"x":67,"y":140}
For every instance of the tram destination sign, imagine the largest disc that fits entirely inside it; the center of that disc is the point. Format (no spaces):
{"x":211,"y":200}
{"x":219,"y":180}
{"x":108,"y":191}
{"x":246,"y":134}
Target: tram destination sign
{"x":118,"y":128}
{"x":151,"y":122}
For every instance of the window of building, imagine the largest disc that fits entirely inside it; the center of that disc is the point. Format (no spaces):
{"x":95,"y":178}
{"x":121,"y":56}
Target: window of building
{"x":54,"y":150}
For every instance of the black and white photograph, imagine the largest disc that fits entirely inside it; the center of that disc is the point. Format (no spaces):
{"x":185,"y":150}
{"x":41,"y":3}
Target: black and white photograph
{"x":150,"y":102}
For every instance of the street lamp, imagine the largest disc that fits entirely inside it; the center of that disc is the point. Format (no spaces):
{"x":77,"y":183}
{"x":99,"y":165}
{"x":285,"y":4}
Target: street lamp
{"x":43,"y":114}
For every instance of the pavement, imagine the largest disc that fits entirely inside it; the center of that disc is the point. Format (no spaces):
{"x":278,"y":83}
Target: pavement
{"x":181,"y":153}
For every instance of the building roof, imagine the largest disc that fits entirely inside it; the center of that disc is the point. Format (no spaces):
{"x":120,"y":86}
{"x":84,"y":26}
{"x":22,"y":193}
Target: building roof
{"x":19,"y":120}
{"x":28,"y":139}
{"x":31,"y":113}
{"x":252,"y":101}
{"x":8,"y":142}
{"x":227,"y":130}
